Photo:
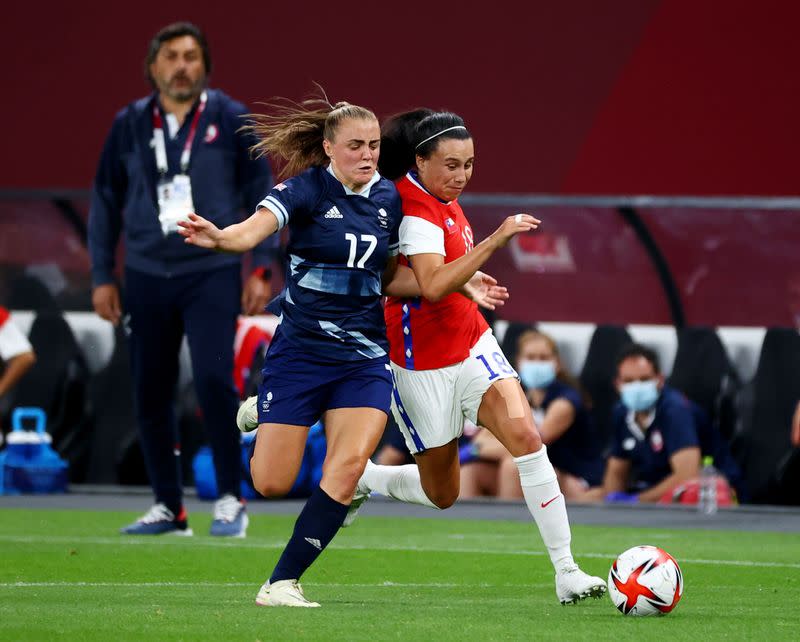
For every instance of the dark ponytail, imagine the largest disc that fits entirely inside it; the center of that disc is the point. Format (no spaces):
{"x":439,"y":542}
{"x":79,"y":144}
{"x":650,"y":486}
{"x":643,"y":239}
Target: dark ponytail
{"x":415,"y":133}
{"x":398,"y":136}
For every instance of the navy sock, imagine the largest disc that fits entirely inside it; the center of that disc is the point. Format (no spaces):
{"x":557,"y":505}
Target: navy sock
{"x":318,"y":523}
{"x":176,"y":506}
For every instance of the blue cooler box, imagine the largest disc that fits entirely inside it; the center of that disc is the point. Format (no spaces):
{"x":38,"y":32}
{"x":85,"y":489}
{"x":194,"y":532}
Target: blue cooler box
{"x":29,"y":464}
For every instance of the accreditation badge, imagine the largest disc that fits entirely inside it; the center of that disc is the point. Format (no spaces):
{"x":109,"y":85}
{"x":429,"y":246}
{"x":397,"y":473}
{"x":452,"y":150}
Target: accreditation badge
{"x":174,"y":202}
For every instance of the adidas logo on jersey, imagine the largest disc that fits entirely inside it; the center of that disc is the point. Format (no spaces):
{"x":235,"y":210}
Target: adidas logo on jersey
{"x":333,"y":213}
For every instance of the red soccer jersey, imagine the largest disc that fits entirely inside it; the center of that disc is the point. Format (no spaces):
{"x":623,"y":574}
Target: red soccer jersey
{"x":425,"y":335}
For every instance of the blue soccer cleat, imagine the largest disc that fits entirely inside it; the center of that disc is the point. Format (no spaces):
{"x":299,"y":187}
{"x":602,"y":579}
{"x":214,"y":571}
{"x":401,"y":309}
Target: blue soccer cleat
{"x":159,"y":520}
{"x":230,"y":518}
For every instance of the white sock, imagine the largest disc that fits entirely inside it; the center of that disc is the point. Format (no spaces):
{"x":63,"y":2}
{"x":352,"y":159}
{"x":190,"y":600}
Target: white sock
{"x":399,"y":482}
{"x":546,"y":504}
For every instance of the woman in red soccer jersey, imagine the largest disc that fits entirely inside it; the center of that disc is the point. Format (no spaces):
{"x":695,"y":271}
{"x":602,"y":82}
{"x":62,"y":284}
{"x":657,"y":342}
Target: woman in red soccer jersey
{"x":447,"y":365}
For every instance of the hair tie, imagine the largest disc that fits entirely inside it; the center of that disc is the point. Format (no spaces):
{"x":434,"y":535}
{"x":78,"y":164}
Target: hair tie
{"x":439,"y":134}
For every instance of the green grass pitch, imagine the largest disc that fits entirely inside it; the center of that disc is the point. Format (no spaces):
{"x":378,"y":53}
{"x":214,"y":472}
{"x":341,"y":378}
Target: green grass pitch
{"x":69,"y":576}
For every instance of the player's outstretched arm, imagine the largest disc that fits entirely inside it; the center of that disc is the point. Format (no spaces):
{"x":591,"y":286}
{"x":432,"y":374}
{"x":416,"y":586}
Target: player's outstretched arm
{"x":236,"y":238}
{"x":399,"y":281}
{"x":437,"y":279}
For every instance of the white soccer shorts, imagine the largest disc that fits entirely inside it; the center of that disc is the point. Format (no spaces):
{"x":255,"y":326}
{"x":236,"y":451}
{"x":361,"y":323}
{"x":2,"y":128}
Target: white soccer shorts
{"x":430,"y":405}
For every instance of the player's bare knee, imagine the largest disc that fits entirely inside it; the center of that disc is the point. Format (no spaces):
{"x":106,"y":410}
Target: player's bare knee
{"x":342,"y":476}
{"x":525,"y":441}
{"x":445,"y":501}
{"x":443,"y":498}
{"x":269,"y":487}
{"x":533,"y":441}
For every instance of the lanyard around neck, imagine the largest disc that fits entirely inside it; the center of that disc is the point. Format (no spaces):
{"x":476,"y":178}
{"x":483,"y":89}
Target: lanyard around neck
{"x":158,"y":137}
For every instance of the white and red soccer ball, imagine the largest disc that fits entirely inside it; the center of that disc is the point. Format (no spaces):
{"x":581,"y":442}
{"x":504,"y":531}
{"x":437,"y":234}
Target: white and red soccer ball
{"x":645,"y":580}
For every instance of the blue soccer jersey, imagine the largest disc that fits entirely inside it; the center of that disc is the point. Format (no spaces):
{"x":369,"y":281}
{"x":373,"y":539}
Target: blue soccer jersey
{"x":672,"y":428}
{"x":339,"y":245}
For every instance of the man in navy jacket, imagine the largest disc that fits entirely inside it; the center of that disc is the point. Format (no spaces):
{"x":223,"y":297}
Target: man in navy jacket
{"x":175,"y":151}
{"x":659,"y":436}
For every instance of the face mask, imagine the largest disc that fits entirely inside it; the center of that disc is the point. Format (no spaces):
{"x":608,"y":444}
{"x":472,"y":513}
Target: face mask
{"x":639,"y":395}
{"x":537,"y":374}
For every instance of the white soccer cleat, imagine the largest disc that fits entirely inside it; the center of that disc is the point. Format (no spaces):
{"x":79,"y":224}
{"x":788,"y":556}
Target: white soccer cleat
{"x":359,"y":498}
{"x":573,"y":585}
{"x":247,"y":417}
{"x":283,"y":593}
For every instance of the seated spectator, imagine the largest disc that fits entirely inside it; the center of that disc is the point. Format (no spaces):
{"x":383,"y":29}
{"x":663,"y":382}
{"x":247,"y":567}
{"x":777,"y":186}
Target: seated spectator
{"x":784,"y":486}
{"x":658,"y":435}
{"x":16,"y":355}
{"x":560,"y":412}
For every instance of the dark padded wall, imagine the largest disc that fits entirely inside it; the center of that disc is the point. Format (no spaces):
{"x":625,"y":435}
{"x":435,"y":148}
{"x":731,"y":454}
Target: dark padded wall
{"x":634,"y":96}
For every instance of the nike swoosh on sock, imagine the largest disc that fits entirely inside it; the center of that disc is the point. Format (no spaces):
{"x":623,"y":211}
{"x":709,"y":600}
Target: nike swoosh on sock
{"x":550,"y":501}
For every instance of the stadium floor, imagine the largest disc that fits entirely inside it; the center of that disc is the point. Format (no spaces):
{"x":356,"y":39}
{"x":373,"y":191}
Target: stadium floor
{"x":742,"y":518}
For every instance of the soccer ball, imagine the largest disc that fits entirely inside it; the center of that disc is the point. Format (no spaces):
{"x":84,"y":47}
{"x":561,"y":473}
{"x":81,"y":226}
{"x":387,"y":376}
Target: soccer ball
{"x":645,"y":580}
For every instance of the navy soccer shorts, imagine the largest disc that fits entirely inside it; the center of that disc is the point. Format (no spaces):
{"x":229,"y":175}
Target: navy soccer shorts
{"x":297,"y":388}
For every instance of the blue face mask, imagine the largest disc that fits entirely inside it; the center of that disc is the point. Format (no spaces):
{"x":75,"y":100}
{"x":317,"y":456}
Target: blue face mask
{"x":639,"y":395}
{"x":537,"y":374}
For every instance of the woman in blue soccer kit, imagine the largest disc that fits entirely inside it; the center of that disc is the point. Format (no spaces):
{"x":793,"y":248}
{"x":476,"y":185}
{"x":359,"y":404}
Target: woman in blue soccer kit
{"x":329,"y":355}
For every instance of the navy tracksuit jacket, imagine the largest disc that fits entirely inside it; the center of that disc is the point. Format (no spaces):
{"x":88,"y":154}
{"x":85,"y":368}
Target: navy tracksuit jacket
{"x":172,"y":288}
